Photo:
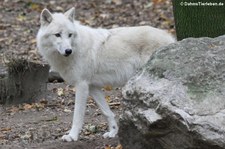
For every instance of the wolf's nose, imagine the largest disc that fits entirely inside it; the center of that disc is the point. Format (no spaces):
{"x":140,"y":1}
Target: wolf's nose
{"x":68,"y":52}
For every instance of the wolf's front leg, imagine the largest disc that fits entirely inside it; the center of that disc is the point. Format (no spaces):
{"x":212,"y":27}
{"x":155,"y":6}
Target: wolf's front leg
{"x":82,"y":91}
{"x":99,"y":98}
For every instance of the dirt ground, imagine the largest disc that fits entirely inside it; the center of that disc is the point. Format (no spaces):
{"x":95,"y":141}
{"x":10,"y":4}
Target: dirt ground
{"x":42,"y":124}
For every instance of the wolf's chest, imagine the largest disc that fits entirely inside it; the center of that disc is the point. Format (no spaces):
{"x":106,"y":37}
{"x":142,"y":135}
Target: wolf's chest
{"x":70,"y":75}
{"x":67,"y":73}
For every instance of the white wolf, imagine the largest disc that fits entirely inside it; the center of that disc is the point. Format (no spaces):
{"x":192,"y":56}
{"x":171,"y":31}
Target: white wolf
{"x":92,"y":58}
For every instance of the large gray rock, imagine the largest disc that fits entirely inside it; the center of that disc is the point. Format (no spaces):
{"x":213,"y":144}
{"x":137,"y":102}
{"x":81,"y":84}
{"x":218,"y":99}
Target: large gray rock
{"x":177,"y":101}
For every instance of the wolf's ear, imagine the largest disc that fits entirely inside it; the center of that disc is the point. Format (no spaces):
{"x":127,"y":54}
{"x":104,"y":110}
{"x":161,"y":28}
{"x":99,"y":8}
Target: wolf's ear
{"x":46,"y":17}
{"x":70,"y":14}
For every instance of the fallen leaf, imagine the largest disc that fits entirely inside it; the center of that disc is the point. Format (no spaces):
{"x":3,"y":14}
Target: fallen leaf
{"x":27,"y":106}
{"x":3,"y":39}
{"x":43,"y":101}
{"x":108,"y":88}
{"x":35,"y":6}
{"x":157,"y":1}
{"x":21,"y":18}
{"x":114,"y":104}
{"x":119,"y":146}
{"x":107,"y":146}
{"x":26,"y":136}
{"x":70,"y":102}
{"x":2,"y":137}
{"x":69,"y":88}
{"x":104,"y":16}
{"x":117,"y":2}
{"x":6,"y":129}
{"x":58,"y":8}
{"x":67,"y":110}
{"x":148,"y":5}
{"x":87,"y":133}
{"x":108,"y":99}
{"x":32,"y":41}
{"x":55,"y":118}
{"x":73,"y":89}
{"x":39,"y":105}
{"x":60,"y":92}
{"x":13,"y":109}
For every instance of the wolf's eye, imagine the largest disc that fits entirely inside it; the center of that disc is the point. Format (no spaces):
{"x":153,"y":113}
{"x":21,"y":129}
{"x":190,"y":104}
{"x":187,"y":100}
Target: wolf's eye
{"x":70,"y":35}
{"x":57,"y":35}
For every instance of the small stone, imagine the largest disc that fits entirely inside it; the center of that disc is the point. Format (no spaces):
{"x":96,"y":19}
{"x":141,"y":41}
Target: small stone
{"x":93,"y":129}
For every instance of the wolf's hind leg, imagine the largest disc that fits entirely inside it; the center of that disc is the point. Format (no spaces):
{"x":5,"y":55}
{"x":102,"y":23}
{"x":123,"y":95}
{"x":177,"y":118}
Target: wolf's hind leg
{"x":99,"y":98}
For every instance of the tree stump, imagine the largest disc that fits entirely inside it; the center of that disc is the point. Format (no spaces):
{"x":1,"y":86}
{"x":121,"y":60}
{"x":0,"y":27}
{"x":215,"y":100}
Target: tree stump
{"x":22,"y":81}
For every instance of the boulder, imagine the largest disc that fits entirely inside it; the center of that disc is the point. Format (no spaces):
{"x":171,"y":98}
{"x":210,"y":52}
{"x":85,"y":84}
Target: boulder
{"x":177,"y":100}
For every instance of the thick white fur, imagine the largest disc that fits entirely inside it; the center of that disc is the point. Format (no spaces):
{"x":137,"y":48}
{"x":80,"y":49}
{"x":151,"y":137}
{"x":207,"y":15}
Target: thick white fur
{"x":99,"y":57}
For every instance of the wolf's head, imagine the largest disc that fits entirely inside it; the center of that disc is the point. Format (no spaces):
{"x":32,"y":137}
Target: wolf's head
{"x":57,"y":33}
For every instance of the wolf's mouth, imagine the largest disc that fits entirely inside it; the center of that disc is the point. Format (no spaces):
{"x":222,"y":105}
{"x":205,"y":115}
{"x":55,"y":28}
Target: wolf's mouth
{"x":66,"y":55}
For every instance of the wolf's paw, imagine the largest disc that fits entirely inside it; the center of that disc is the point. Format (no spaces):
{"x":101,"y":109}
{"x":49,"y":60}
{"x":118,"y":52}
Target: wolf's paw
{"x":110,"y":134}
{"x":69,"y":138}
